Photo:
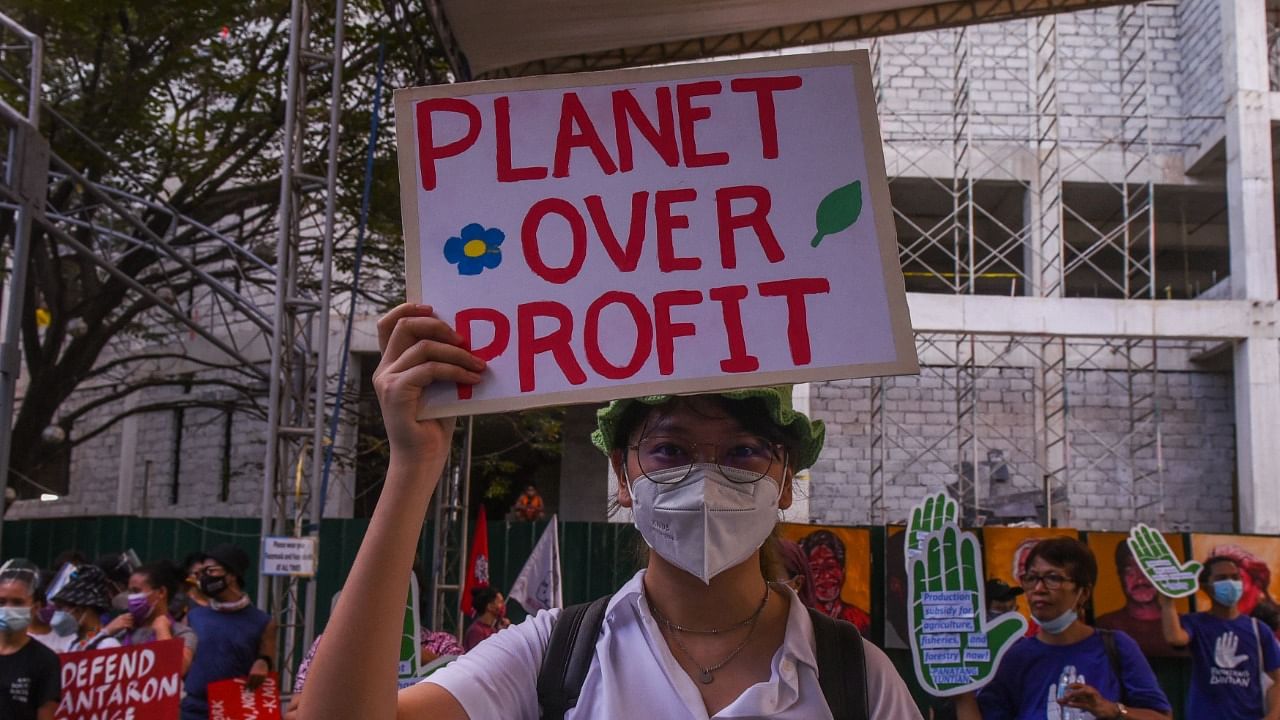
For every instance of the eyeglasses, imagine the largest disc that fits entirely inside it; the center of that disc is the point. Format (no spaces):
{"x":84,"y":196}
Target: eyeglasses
{"x":754,"y":456}
{"x":1052,"y":581}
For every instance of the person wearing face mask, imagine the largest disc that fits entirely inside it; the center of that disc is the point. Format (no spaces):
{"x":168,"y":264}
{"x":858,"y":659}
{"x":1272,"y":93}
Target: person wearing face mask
{"x":1067,"y":670}
{"x":1230,"y":651}
{"x":30,"y":683}
{"x":236,"y":638}
{"x":55,"y":627}
{"x":490,"y":621}
{"x":57,"y":636}
{"x":189,"y":594}
{"x":700,"y":632}
{"x":86,"y":598}
{"x":147,"y":619}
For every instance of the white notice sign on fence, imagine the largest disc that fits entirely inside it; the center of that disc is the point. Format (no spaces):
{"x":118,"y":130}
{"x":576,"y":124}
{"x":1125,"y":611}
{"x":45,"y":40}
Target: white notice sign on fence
{"x":292,"y":556}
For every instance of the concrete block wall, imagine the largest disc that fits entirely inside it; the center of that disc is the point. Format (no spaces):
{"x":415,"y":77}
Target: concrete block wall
{"x":918,"y":79}
{"x":920,"y":453}
{"x":98,"y":465}
{"x":1200,"y":68}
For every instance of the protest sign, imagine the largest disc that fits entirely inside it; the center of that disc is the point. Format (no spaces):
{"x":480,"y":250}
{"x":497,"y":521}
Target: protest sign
{"x":1156,"y":560}
{"x":955,"y":648}
{"x":139,"y":682}
{"x":410,"y":664}
{"x":675,"y":229}
{"x":1125,"y":599}
{"x":233,"y":700}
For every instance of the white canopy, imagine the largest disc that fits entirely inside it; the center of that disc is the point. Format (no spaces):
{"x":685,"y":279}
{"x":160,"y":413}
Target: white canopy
{"x":496,"y":38}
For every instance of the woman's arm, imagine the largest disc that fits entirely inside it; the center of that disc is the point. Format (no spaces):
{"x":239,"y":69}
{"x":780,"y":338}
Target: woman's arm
{"x":1170,"y":624}
{"x":354,"y":672}
{"x":1086,"y":697}
{"x":1273,"y":696}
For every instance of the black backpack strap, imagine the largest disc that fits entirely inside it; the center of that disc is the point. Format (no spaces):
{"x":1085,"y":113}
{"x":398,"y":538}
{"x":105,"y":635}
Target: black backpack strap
{"x":842,"y":667}
{"x":568,"y":657}
{"x":1113,"y":657}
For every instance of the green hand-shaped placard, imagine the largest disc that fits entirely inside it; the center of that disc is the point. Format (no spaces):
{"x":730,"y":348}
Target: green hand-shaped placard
{"x":954,"y":647}
{"x":1157,"y":561}
{"x":928,"y":517}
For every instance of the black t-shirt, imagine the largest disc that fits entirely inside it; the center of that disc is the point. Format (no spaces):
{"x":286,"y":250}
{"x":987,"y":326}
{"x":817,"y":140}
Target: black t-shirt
{"x":29,"y":679}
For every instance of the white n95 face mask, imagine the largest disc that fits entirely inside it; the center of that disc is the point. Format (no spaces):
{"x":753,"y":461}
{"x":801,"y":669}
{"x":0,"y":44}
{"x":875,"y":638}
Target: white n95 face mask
{"x":705,"y":523}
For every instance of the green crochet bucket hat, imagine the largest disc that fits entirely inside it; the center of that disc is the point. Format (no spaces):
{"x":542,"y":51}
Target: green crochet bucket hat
{"x":804,"y":435}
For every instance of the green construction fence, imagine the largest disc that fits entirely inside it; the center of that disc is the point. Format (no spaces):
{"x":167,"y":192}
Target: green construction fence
{"x":596,"y":559}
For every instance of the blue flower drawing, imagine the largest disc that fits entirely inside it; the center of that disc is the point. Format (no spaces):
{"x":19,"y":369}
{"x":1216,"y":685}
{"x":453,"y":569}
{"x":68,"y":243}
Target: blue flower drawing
{"x":475,"y":249}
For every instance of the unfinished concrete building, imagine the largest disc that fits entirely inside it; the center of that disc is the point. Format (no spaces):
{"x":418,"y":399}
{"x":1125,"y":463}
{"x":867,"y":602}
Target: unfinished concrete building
{"x":1085,"y":206}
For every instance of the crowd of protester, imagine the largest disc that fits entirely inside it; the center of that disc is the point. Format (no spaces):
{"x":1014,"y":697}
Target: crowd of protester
{"x":117,"y":601}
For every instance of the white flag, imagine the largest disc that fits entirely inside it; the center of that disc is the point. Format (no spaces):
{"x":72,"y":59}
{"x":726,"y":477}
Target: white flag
{"x":538,"y":585}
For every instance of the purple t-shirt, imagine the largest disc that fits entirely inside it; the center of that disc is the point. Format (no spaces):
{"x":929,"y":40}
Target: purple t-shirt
{"x":1031,"y":669}
{"x":1225,"y":681}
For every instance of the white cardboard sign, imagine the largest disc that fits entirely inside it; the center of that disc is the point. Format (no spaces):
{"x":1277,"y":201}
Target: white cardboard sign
{"x":676,"y":229}
{"x":290,"y":556}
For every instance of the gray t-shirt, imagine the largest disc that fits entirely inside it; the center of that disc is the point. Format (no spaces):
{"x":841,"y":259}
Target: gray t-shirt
{"x":147,"y":634}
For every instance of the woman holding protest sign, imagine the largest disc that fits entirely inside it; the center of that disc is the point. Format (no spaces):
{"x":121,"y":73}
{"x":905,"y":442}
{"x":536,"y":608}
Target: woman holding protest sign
{"x":701,"y":632}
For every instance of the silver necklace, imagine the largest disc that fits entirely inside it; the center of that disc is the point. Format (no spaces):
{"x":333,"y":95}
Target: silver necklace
{"x":707,"y":674}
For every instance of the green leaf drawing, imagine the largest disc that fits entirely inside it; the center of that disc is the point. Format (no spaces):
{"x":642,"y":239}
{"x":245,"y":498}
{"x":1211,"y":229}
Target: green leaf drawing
{"x":838,"y":210}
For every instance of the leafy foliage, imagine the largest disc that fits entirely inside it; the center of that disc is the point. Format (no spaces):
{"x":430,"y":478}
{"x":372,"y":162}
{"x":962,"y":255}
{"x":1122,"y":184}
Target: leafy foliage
{"x":181,"y":106}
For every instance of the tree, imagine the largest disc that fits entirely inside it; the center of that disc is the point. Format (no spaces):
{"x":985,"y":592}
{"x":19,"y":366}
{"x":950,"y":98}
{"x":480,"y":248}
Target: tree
{"x":179,"y":107}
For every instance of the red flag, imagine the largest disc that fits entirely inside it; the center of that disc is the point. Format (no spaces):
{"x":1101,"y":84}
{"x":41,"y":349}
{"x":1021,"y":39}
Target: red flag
{"x":477,"y":563}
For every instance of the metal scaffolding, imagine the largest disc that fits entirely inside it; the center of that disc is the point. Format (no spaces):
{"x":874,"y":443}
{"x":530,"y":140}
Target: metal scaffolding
{"x":201,"y":274}
{"x":296,"y":411}
{"x":227,"y":319}
{"x":976,"y":248}
{"x":449,"y":561}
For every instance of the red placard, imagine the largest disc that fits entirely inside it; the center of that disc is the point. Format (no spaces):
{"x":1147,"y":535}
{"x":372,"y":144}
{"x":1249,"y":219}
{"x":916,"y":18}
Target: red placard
{"x":231,"y":700}
{"x":139,"y":682}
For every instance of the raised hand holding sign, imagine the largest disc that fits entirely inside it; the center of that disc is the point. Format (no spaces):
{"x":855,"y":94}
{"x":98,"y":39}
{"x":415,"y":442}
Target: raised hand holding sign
{"x":1157,"y":561}
{"x":954,"y":647}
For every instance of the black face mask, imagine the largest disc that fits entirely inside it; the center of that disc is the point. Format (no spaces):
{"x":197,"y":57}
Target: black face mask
{"x":212,"y":586}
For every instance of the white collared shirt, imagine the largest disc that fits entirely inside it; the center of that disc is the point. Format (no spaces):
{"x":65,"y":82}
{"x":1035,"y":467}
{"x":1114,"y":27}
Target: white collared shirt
{"x":633,"y":673}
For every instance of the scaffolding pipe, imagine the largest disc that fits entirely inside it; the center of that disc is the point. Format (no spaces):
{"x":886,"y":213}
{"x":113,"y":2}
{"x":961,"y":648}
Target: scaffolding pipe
{"x":326,"y":281}
{"x":283,"y":286}
{"x":23,"y":142}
